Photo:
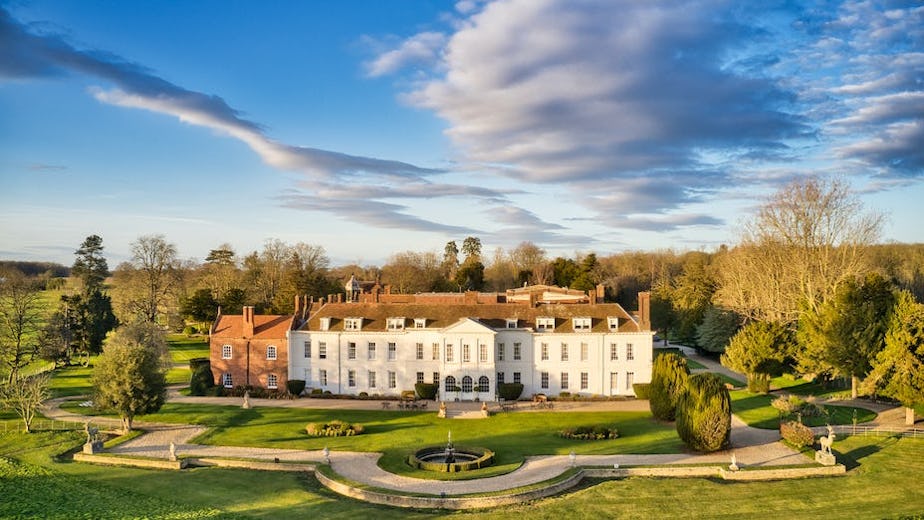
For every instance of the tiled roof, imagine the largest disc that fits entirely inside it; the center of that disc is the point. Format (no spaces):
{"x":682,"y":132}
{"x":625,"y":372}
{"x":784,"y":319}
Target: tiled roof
{"x":265,"y":326}
{"x":492,"y":315}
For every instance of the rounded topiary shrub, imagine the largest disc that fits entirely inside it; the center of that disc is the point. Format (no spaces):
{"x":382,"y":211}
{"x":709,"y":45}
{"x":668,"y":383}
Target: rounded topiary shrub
{"x":426,"y":390}
{"x":797,"y":434}
{"x":509,"y":391}
{"x":295,"y":386}
{"x":669,"y":376}
{"x":201,"y":381}
{"x":704,"y":414}
{"x":641,"y":390}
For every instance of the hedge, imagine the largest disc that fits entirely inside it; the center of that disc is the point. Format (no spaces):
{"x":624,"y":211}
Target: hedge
{"x":509,"y":391}
{"x":704,"y":414}
{"x":669,"y":376}
{"x":427,"y":390}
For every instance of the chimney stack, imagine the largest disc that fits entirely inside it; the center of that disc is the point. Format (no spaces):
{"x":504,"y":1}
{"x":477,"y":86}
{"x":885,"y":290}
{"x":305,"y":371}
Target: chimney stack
{"x":644,"y":311}
{"x":248,"y":324}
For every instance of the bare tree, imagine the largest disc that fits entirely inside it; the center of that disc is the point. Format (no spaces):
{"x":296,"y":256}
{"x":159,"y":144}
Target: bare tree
{"x":145,"y":284}
{"x":25,"y":395}
{"x":803,"y":243}
{"x":20,"y":320}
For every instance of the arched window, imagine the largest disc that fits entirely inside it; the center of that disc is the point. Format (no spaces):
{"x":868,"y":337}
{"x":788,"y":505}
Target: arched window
{"x":450,"y":384}
{"x":271,"y":352}
{"x":226,"y":380}
{"x":272,"y":382}
{"x":484,"y":384}
{"x":467,"y":384}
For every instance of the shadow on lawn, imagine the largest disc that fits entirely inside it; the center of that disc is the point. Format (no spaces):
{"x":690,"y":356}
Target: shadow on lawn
{"x":851,"y":459}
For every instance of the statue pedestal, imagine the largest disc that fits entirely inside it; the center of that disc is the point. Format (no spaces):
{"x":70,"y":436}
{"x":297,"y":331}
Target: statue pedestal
{"x":824,"y":458}
{"x":93,"y":447}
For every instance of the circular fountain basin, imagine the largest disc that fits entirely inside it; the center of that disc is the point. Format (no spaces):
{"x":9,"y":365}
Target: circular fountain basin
{"x":437,"y":458}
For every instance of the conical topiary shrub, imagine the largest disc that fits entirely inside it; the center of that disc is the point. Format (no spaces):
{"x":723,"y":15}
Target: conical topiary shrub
{"x":704,"y":414}
{"x":669,"y":376}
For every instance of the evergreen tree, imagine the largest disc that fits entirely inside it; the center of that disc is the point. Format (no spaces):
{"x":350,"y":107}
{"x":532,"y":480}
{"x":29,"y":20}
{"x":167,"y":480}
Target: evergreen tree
{"x":704,"y":414}
{"x":717,"y":329}
{"x":898,"y":370}
{"x":669,"y":377}
{"x":758,"y":350}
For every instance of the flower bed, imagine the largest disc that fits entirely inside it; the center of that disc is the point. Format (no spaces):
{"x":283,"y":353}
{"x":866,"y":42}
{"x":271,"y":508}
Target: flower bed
{"x":589,"y":433}
{"x":334,"y":429}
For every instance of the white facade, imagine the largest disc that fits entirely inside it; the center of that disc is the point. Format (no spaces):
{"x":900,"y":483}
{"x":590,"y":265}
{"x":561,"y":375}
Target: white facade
{"x":387,"y":362}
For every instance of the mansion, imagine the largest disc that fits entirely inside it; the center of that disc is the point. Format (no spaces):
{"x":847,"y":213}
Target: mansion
{"x":552,"y":340}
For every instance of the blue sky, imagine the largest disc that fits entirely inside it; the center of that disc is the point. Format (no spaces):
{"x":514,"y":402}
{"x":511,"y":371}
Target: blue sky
{"x":372,"y":128}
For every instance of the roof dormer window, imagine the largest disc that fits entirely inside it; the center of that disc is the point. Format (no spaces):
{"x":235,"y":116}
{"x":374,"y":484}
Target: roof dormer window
{"x":581,"y":323}
{"x":544,"y":323}
{"x":511,"y":323}
{"x":395,"y":323}
{"x":352,"y":324}
{"x":420,"y":323}
{"x":613,"y":323}
{"x":325,"y":323}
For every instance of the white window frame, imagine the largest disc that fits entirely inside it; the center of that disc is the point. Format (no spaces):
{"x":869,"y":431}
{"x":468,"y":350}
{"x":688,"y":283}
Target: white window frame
{"x":307,"y":349}
{"x":435,"y":352}
{"x":630,"y":379}
{"x":392,"y":351}
{"x":630,"y":352}
{"x":227,"y":380}
{"x":564,"y":352}
{"x":483,"y":352}
{"x":325,"y":323}
{"x":351,"y":378}
{"x":420,"y":377}
{"x":466,"y":353}
{"x":392,"y":379}
{"x":585,"y":380}
{"x":370,"y":351}
{"x":517,"y":352}
{"x":450,"y":355}
{"x":585,"y":351}
{"x":500,"y":351}
{"x":613,"y":323}
{"x":272,"y":382}
{"x":564,"y":381}
{"x":353,"y":324}
{"x":271,"y":352}
{"x":371,"y":376}
{"x":614,"y":352}
{"x":322,"y":377}
{"x":544,"y":352}
{"x":351,"y":350}
{"x":544,"y":323}
{"x":227,"y":351}
{"x":511,"y":323}
{"x":517,"y":378}
{"x":544,"y":380}
{"x":420,"y":323}
{"x":581,"y":323}
{"x":322,"y":350}
{"x":419,"y":348}
{"x":395,"y":323}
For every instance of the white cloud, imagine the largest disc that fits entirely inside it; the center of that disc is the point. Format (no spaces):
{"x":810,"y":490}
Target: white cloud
{"x":421,"y":49}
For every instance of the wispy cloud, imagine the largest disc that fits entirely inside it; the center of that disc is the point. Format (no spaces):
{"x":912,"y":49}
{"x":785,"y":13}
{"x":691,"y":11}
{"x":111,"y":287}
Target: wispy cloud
{"x":421,"y":49}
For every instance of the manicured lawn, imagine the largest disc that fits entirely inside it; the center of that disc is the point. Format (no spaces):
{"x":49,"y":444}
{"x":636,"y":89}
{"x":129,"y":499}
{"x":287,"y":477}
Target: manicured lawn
{"x":72,"y":380}
{"x":396,"y":434}
{"x":183,"y":347}
{"x":880,"y":483}
{"x":797,"y":385}
{"x":756,"y":411}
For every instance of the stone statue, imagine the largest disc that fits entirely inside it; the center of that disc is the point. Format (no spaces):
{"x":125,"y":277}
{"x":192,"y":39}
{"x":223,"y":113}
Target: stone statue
{"x":826,"y":442}
{"x":442,"y":412}
{"x":94,"y":442}
{"x":734,"y":463}
{"x":246,"y":404}
{"x":172,"y":451}
{"x":825,"y":456}
{"x":484,"y":409}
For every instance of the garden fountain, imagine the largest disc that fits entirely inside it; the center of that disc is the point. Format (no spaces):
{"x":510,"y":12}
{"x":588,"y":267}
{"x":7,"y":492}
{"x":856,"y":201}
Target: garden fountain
{"x":450,"y":458}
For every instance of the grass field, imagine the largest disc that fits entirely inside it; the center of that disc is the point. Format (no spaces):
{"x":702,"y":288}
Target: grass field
{"x":881,"y":483}
{"x":756,"y":411}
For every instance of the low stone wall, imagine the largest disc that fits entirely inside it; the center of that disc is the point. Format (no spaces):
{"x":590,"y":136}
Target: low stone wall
{"x":654,"y":471}
{"x":110,"y":460}
{"x":784,"y":473}
{"x":376,"y":497}
{"x":251,"y":464}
